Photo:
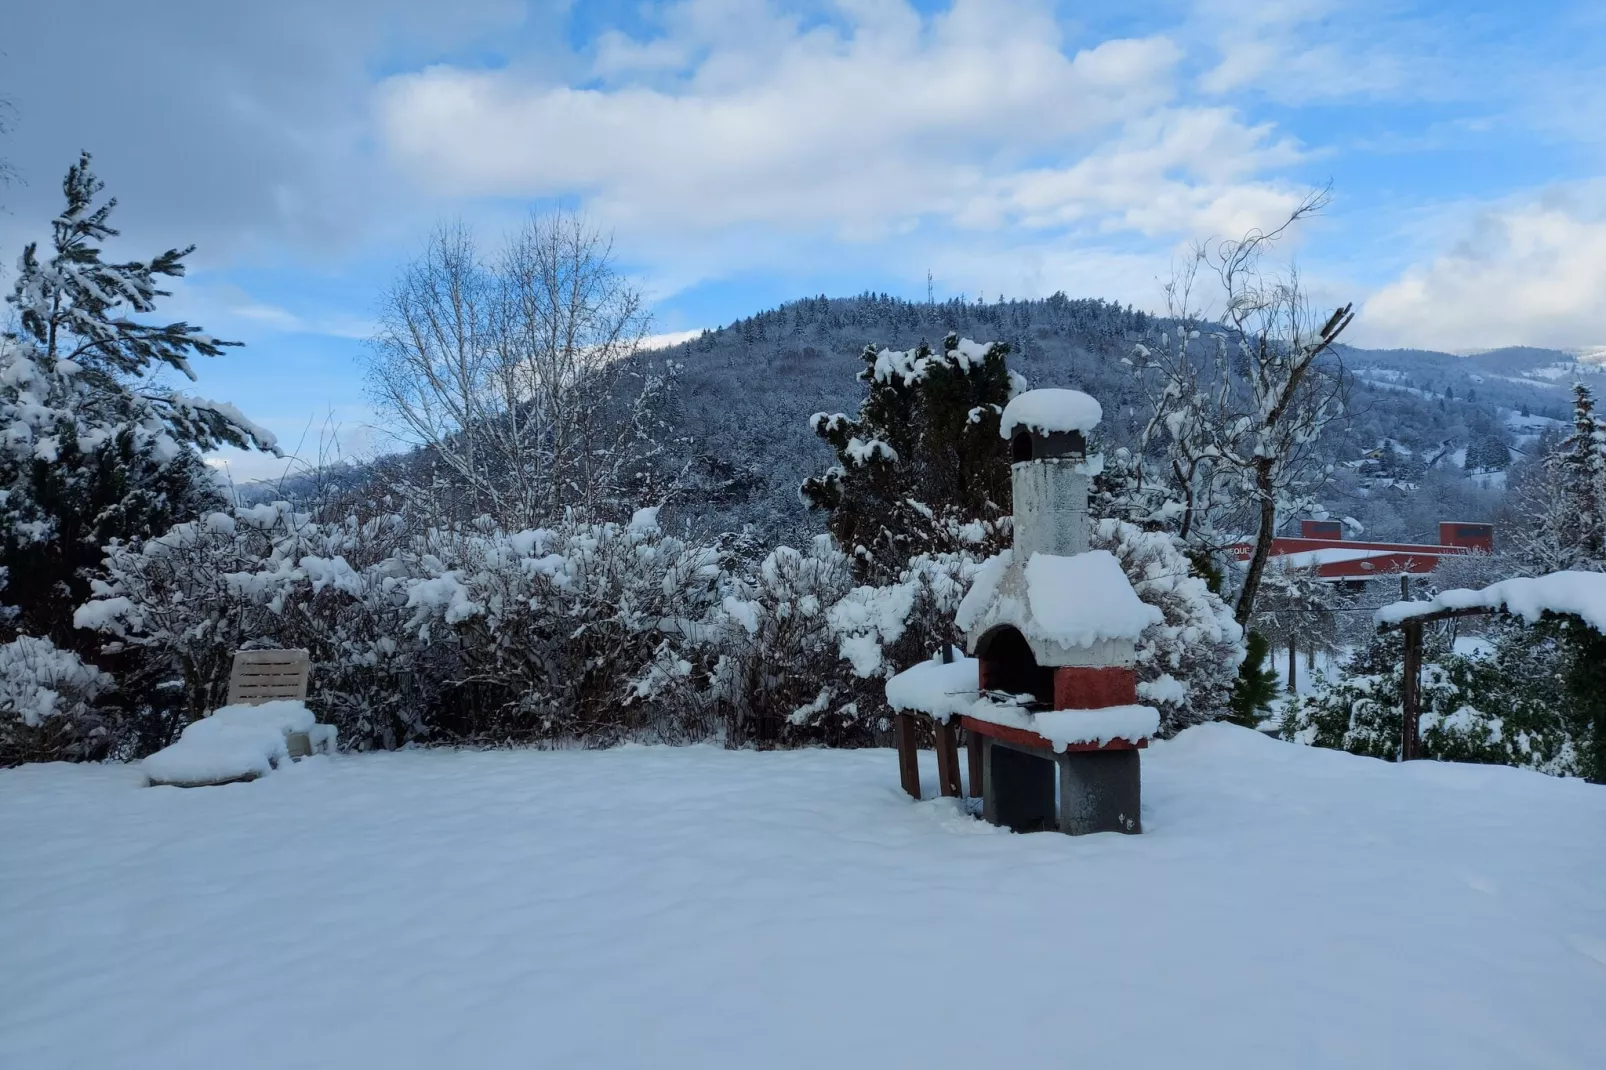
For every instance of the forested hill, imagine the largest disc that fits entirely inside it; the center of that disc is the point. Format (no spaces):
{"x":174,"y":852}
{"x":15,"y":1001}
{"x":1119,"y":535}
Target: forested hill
{"x":1434,"y":427}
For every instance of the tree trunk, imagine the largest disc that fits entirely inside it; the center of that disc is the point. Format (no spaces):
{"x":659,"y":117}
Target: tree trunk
{"x":1257,"y":560}
{"x":1293,"y":653}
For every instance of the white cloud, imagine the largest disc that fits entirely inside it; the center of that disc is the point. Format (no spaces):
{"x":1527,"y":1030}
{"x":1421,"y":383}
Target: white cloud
{"x":865,"y":127}
{"x":1526,"y":273}
{"x":1299,"y":51}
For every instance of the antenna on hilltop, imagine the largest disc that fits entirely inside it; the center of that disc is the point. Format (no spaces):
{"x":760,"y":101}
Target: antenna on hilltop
{"x":930,"y":299}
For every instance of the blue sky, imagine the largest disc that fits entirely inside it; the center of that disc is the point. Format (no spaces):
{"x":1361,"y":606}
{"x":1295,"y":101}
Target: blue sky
{"x":745,"y":153}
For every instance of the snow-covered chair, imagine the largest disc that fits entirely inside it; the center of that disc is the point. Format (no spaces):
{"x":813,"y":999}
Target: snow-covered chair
{"x":265,"y":724}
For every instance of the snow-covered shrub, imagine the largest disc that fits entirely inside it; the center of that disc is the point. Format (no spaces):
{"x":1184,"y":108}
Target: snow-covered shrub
{"x":779,"y":673}
{"x":583,"y":630}
{"x":882,"y":630}
{"x":47,"y":703}
{"x":1507,"y":707}
{"x":588,"y":630}
{"x":1187,"y":664}
{"x":268,"y":576}
{"x":1359,"y":710}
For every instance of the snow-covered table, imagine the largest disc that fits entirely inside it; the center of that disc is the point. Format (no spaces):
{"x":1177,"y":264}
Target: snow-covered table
{"x":238,"y":743}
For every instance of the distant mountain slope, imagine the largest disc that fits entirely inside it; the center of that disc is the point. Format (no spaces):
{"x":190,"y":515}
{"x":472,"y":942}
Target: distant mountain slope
{"x":747,"y":391}
{"x":1428,"y":435}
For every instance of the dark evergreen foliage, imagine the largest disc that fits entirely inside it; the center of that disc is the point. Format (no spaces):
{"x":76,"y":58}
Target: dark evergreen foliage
{"x":1257,"y":683}
{"x":922,"y":459}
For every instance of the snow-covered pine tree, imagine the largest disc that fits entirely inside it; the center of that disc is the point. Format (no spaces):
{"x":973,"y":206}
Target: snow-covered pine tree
{"x":1581,"y":464}
{"x":1256,"y":685}
{"x":90,"y":449}
{"x":922,"y":469}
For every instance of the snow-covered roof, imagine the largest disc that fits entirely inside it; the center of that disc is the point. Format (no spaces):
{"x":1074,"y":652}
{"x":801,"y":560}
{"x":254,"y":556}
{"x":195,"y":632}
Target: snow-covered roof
{"x":1074,"y":601}
{"x":1081,"y":599}
{"x":1049,"y":410}
{"x":1581,"y":594}
{"x":946,"y":691}
{"x":1331,"y":555}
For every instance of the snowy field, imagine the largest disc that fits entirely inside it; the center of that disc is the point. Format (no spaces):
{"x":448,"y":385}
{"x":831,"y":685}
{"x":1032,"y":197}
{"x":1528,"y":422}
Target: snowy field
{"x":656,"y":907}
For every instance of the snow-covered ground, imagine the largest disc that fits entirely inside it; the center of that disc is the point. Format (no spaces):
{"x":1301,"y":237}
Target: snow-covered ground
{"x":656,"y":907}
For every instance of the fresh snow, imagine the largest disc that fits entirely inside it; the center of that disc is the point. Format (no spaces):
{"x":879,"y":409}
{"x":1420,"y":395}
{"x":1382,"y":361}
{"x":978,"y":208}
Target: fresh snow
{"x":234,"y":742}
{"x":646,"y":906}
{"x":936,"y":689}
{"x":1084,"y":598}
{"x":1075,"y":600}
{"x":945,"y":690}
{"x":1066,"y":728}
{"x":1582,"y":594}
{"x":1050,"y":409}
{"x":1328,"y":555}
{"x":983,"y":593}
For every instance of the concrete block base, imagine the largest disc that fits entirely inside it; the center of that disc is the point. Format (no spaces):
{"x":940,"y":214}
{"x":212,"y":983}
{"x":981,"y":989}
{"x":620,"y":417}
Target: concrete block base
{"x":1017,"y":787}
{"x":1100,"y":791}
{"x":1097,"y":791}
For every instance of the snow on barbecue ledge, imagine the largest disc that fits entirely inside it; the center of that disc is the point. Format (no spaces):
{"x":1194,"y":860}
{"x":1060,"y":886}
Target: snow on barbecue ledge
{"x":1049,"y":410}
{"x":1582,"y":594}
{"x":934,"y":688}
{"x":944,"y":691}
{"x":1064,"y":728}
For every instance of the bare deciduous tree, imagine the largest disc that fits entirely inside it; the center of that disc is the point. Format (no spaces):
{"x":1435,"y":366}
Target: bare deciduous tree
{"x":516,"y":373}
{"x":1240,"y":404}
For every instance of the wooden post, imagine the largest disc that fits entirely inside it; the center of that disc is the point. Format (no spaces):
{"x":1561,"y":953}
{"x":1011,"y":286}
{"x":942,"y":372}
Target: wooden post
{"x":948,"y":783}
{"x":1411,"y":688}
{"x":908,"y":755}
{"x":973,"y":751}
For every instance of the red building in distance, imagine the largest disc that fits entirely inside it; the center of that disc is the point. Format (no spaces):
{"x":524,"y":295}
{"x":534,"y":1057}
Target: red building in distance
{"x":1321,"y":545}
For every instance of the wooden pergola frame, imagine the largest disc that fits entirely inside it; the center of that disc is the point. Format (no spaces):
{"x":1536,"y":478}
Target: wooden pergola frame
{"x":1411,"y":686}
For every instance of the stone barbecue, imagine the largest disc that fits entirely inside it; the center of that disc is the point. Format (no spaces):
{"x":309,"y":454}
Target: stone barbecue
{"x":1049,"y":695}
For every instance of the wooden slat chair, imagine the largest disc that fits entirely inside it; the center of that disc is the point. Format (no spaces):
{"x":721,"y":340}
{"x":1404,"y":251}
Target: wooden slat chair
{"x":265,"y":675}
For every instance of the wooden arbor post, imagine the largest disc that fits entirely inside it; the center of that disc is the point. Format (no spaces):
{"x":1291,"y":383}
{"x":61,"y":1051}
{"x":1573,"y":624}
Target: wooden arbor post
{"x":1411,"y":689}
{"x":1411,"y":685}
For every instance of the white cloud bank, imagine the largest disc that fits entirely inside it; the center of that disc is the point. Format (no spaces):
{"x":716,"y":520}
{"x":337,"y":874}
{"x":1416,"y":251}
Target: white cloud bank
{"x":865,"y":126}
{"x":1529,"y":273}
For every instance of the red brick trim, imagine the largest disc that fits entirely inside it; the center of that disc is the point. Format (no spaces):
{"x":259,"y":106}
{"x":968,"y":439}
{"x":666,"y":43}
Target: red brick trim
{"x":1079,"y":687}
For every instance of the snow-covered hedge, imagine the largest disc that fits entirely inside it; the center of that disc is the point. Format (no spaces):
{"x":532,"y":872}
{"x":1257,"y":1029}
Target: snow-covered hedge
{"x":1508,"y":705}
{"x":569,"y":631}
{"x":47,"y":702}
{"x":1186,"y":664}
{"x":593,"y":631}
{"x":779,"y":668}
